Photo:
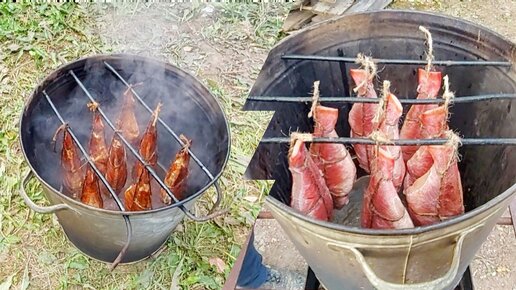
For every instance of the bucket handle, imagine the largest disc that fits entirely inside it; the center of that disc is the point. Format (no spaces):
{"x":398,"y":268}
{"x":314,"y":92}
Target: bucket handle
{"x":211,"y":214}
{"x":439,"y":283}
{"x":34,"y":206}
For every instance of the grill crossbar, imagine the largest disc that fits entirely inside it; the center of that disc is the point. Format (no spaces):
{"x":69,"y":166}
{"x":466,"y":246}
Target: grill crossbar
{"x":414,"y":101}
{"x":398,"y":61}
{"x":165,"y":125}
{"x":397,"y":142}
{"x":127,"y":143}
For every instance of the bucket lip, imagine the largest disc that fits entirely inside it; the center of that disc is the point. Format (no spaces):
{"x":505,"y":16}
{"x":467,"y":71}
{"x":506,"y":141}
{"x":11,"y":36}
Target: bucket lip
{"x":400,"y":232}
{"x":99,"y":57}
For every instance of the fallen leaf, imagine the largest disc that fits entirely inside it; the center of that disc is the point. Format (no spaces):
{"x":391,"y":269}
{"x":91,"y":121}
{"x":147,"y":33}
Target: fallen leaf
{"x":218,"y":263}
{"x":251,"y":199}
{"x":174,"y":285}
{"x":13,"y":47}
{"x":25,"y":280}
{"x":187,"y":48}
{"x":7,"y":283}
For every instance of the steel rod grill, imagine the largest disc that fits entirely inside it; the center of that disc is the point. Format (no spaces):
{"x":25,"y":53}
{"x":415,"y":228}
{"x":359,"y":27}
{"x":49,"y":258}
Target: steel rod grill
{"x":414,"y":101}
{"x":397,"y":142}
{"x":104,"y":181}
{"x":127,"y":144}
{"x":169,"y":130}
{"x":85,"y":153}
{"x":398,"y":61}
{"x":140,"y":158}
{"x":456,"y":100}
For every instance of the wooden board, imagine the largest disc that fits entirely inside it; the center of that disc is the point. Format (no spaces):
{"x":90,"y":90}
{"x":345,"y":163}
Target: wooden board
{"x":297,"y":19}
{"x":338,"y":7}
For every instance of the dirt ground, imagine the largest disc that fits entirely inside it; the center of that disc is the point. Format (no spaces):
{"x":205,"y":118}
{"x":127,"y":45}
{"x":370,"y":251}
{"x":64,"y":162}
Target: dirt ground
{"x":494,"y":267}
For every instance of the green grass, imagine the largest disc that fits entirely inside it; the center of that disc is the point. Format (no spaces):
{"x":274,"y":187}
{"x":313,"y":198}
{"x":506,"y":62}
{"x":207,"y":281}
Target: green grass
{"x":36,"y":39}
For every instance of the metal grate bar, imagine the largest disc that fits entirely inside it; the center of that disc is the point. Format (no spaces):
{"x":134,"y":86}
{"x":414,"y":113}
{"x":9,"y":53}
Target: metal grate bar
{"x":81,"y":148}
{"x":398,"y":142}
{"x":169,"y":130}
{"x":398,"y":61}
{"x":127,"y":144}
{"x":456,"y":100}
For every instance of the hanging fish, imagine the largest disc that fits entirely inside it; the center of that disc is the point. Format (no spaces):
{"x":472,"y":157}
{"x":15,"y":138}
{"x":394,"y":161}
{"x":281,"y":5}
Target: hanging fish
{"x":98,"y":149}
{"x":361,"y":115}
{"x":148,"y":144}
{"x":71,"y":169}
{"x":90,"y":194}
{"x":310,"y":195}
{"x":177,"y":173}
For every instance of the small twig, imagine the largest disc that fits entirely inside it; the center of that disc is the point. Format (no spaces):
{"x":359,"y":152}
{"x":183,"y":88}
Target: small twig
{"x":430,"y":52}
{"x":370,"y":68}
{"x":156,"y":113}
{"x":315,"y":99}
{"x":380,"y":111}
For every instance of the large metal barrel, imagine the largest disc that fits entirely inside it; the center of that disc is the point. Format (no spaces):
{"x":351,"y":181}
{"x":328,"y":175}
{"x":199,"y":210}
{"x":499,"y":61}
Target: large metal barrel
{"x":188,"y":108}
{"x":429,"y":257}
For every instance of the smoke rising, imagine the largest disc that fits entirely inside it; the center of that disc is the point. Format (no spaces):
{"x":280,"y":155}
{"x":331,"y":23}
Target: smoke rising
{"x":145,"y":31}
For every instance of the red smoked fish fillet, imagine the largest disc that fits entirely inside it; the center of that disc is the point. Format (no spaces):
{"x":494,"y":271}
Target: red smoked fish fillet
{"x":437,"y":195}
{"x":434,"y":124}
{"x":382,"y":208}
{"x":388,"y":125}
{"x":333,"y":159}
{"x":361,"y":116}
{"x":310,"y":195}
{"x":429,"y":85}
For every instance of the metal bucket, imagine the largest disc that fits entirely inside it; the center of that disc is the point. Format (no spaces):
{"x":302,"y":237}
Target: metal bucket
{"x":430,"y":257}
{"x":188,"y":107}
